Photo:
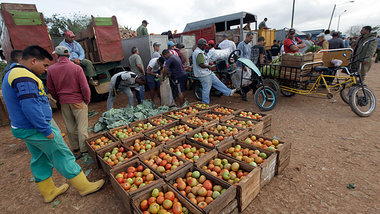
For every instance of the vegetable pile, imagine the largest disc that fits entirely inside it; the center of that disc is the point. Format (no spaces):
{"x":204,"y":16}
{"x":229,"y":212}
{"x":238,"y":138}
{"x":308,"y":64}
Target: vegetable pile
{"x":123,"y":116}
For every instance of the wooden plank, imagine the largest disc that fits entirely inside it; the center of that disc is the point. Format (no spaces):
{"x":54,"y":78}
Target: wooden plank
{"x":230,"y":208}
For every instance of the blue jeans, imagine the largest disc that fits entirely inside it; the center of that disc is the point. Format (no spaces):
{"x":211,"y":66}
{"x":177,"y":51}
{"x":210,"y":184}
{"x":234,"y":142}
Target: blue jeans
{"x":126,"y":90}
{"x":212,"y":81}
{"x":140,"y":95}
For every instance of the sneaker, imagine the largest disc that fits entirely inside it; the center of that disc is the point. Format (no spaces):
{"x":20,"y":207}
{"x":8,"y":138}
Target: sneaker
{"x":93,"y":82}
{"x":232,"y":92}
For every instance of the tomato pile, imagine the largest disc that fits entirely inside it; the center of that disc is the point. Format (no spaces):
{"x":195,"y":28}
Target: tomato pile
{"x":198,"y":189}
{"x":250,"y":115}
{"x":161,"y":121}
{"x":250,"y":156}
{"x":224,"y":130}
{"x":134,"y":178}
{"x":208,"y":139}
{"x":225,"y":170}
{"x":215,"y":116}
{"x":124,"y":133}
{"x":100,"y":142}
{"x":142,"y":127}
{"x":190,"y":110}
{"x":240,"y":123}
{"x":164,"y":163}
{"x":117,"y":156}
{"x":188,"y":152}
{"x":142,"y":146}
{"x":202,"y":106}
{"x":261,"y":143}
{"x":162,"y":203}
{"x":224,"y":110}
{"x":181,"y":129}
{"x":162,"y":136}
{"x":197,"y":121}
{"x":177,"y":114}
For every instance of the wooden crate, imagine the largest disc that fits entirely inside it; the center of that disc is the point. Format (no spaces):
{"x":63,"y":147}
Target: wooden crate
{"x":257,"y":126}
{"x":268,"y":167}
{"x":219,"y":114}
{"x":4,"y":117}
{"x":177,"y":123}
{"x":186,"y":120}
{"x":218,"y":106}
{"x":184,"y":114}
{"x":214,"y":125}
{"x":155,"y":130}
{"x":182,"y":140}
{"x":220,"y":203}
{"x":266,"y":118}
{"x":231,"y":208}
{"x":145,"y":157}
{"x":202,"y":109}
{"x":248,"y":188}
{"x":162,"y":187}
{"x":297,"y":61}
{"x":112,"y":131}
{"x":328,"y":56}
{"x":124,"y":196}
{"x":199,"y":130}
{"x":161,"y":116}
{"x":283,"y":152}
{"x":130,"y":142}
{"x":105,"y":166}
{"x":92,"y":152}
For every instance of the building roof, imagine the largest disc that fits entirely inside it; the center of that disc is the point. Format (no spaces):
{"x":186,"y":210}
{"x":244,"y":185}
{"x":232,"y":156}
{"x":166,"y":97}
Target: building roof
{"x":232,"y":19}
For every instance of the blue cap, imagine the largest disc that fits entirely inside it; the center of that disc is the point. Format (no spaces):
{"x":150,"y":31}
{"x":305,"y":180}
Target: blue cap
{"x":170,"y":43}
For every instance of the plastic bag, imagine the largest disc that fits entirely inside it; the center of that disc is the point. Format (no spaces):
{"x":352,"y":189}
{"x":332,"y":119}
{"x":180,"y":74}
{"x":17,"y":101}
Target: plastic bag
{"x":218,"y":54}
{"x":237,"y":82}
{"x":166,"y":94}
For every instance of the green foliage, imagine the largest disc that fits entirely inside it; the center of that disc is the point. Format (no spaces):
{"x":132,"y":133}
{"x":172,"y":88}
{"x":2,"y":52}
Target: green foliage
{"x":58,"y":23}
{"x":123,"y":116}
{"x":314,"y":48}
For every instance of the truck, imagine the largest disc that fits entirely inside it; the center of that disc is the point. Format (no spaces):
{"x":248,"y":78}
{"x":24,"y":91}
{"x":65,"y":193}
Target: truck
{"x":145,"y":46}
{"x":215,"y":28}
{"x":102,"y":45}
{"x":22,"y":25}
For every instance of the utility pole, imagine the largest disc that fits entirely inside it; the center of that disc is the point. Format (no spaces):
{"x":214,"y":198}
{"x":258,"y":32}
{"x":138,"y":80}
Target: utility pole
{"x":294,"y":2}
{"x":332,"y":14}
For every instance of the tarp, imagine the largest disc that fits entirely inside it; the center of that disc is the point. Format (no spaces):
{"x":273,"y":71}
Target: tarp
{"x":108,"y":42}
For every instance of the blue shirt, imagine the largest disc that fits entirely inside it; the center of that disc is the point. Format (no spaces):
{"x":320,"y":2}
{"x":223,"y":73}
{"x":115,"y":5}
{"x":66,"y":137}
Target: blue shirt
{"x":75,"y":49}
{"x":245,"y":51}
{"x":26,"y":100}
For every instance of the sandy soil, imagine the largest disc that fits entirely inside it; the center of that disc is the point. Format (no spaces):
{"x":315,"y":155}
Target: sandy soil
{"x":331,"y":148}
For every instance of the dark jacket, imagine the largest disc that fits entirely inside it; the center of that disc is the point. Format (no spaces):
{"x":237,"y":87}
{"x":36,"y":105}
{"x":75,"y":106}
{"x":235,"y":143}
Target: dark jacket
{"x":368,"y":50}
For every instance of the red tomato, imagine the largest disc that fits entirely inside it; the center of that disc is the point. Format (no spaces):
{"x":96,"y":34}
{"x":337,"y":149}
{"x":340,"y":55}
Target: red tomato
{"x":131,"y":169}
{"x":121,"y":149}
{"x":140,"y":168}
{"x":151,"y":200}
{"x":120,"y":180}
{"x":169,"y":195}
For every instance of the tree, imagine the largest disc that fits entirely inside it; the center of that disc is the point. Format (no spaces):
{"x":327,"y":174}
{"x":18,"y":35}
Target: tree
{"x":58,"y":23}
{"x":354,"y":31}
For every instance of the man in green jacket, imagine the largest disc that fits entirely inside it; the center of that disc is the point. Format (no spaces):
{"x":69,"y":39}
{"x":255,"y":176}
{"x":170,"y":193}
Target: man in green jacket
{"x":367,"y":51}
{"x":142,"y":31}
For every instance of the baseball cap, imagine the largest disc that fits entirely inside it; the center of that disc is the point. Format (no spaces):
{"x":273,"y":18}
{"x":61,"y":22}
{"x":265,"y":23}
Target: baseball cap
{"x":69,"y":33}
{"x":202,"y":42}
{"x":156,"y":44}
{"x":144,"y":21}
{"x":61,"y":51}
{"x":211,"y":42}
{"x":291,"y":31}
{"x":170,"y":43}
{"x":321,"y":35}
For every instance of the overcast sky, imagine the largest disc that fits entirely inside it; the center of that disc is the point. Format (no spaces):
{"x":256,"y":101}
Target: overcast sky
{"x":164,"y":15}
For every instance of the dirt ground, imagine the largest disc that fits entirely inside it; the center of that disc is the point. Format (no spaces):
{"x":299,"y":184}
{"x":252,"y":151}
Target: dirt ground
{"x":331,"y":148}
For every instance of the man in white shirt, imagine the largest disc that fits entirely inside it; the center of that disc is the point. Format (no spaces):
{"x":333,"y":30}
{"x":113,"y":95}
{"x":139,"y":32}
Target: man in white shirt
{"x":227,"y":44}
{"x":153,"y":72}
{"x":124,"y":81}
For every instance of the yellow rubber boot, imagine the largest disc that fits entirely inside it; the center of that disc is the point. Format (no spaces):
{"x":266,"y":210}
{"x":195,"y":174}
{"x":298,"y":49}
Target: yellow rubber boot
{"x":85,"y":187}
{"x":49,"y":190}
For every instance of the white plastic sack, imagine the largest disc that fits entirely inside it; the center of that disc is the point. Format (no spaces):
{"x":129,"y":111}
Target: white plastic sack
{"x":236,"y":78}
{"x":166,"y":93}
{"x":218,"y":54}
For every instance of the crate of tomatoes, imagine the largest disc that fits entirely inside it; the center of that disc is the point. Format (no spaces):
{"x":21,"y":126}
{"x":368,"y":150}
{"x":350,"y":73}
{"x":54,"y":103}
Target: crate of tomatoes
{"x":98,"y":142}
{"x":114,"y":156}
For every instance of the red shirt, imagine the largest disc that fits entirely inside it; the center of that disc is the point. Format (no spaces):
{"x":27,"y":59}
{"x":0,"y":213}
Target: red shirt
{"x":288,"y":42}
{"x":67,"y":83}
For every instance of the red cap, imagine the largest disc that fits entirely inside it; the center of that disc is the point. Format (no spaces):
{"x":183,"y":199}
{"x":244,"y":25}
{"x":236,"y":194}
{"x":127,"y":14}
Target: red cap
{"x":211,"y":42}
{"x":69,"y":33}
